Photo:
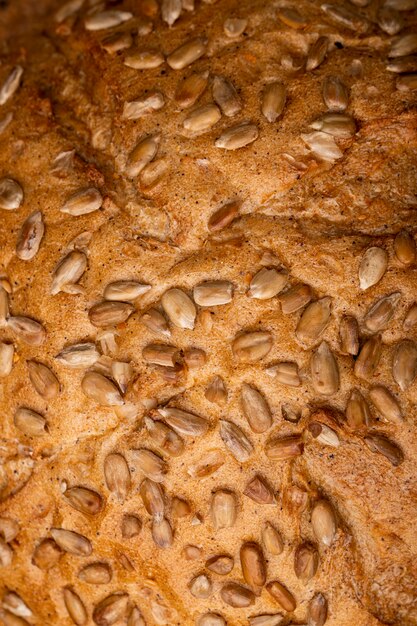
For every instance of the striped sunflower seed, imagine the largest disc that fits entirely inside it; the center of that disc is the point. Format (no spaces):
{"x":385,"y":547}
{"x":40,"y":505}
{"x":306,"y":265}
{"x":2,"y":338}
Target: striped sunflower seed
{"x":6,"y":358}
{"x":190,"y":89}
{"x":386,"y":447}
{"x":369,"y":357}
{"x":106,"y":19}
{"x":131,"y":526}
{"x":372,"y":267}
{"x":216,"y":391}
{"x":171,"y":11}
{"x":406,"y":82}
{"x":84,"y":500}
{"x":266,"y":620}
{"x":403,"y":65}
{"x":96,"y":574}
{"x":78,"y":356}
{"x":386,"y":404}
{"x":221,"y":564}
{"x":306,"y":561}
{"x":201,"y":587}
{"x":117,"y":475}
{"x":9,"y":529}
{"x":152,"y":495}
{"x":390,"y":21}
{"x":110,"y":313}
{"x":11,"y":194}
{"x":317,"y":610}
{"x":324,"y":434}
{"x":29,"y":422}
{"x":322,"y":145}
{"x":30,"y":236}
{"x":223,"y":216}
{"x":237,"y":596}
{"x":186,"y":54}
{"x":259,"y":491}
{"x":283,"y":448}
{"x":213,"y":293}
{"x":10,"y":85}
{"x":206,"y":465}
{"x":142,"y":154}
{"x":282,"y":595}
{"x":43,"y":379}
{"x":234,"y":26}
{"x":272,"y":540}
{"x":349,"y":335}
{"x":313,"y":321}
{"x":253,"y":566}
{"x":122,"y":374}
{"x":226,"y":96}
{"x":411,"y":317}
{"x":6,"y":554}
{"x":68,"y":271}
{"x":404,"y":365}
{"x":273,"y":101}
{"x":72,"y":542}
{"x":285,"y":373}
{"x":255,"y":409}
{"x":150,"y":464}
{"x":153,"y":173}
{"x":156,"y":322}
{"x":210,"y":619}
{"x":14,"y":603}
{"x":46,"y":554}
{"x":75,"y":607}
{"x":235,"y":441}
{"x":236,"y":137}
{"x":338,"y":125}
{"x":183,"y":422}
{"x":110,"y":610}
{"x":405,"y":248}
{"x":180,"y":308}
{"x":135,"y":109}
{"x":295,"y":298}
{"x":317,"y":53}
{"x":292,"y":18}
{"x":267,"y":283}
{"x":100,"y":389}
{"x":403,"y":45}
{"x":27,"y":330}
{"x":144,"y":59}
{"x":249,"y":347}
{"x":202,"y":118}
{"x":125,"y":290}
{"x":135,"y":618}
{"x":223,"y":509}
{"x":335,"y":94}
{"x":381,"y":313}
{"x":83,"y":202}
{"x":161,"y":354}
{"x":323,"y":522}
{"x":357,"y":410}
{"x":116,"y":42}
{"x":324,"y":371}
{"x":347,"y":17}
{"x":164,"y":437}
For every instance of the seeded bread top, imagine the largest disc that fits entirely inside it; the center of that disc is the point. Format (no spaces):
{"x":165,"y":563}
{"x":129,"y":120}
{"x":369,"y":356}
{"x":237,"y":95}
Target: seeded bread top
{"x":207,"y":313}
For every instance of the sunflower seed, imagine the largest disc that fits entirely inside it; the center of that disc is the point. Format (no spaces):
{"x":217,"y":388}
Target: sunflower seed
{"x":285,"y":373}
{"x":368,"y":359}
{"x":144,"y":60}
{"x":349,"y":335}
{"x":403,"y":65}
{"x":317,"y":610}
{"x":226,"y":96}
{"x":189,"y":90}
{"x":206,"y":465}
{"x":282,"y":595}
{"x":404,"y":365}
{"x":202,"y":119}
{"x":290,"y":413}
{"x":153,"y":173}
{"x":253,"y":566}
{"x":381,"y":313}
{"x":201,"y":587}
{"x":192,"y":553}
{"x":292,"y":18}
{"x":390,"y":21}
{"x":335,"y":94}
{"x":125,"y":290}
{"x":255,"y":409}
{"x":272,"y":539}
{"x":295,"y":298}
{"x":171,"y":11}
{"x":153,"y":498}
{"x":9,"y":529}
{"x":188,"y":5}
{"x":10,"y":86}
{"x":389,"y":449}
{"x":180,"y":308}
{"x":183,"y":422}
{"x":111,"y":609}
{"x":27,"y":330}
{"x":110,"y":313}
{"x":161,"y":354}
{"x":223,"y":509}
{"x":29,"y":422}
{"x":96,"y":574}
{"x":237,"y":596}
{"x":180,"y":508}
{"x":357,"y":410}
{"x":164,"y":437}
{"x":151,"y":465}
{"x":4,"y":307}
{"x":282,"y":448}
{"x":346,"y":17}
{"x":322,"y":145}
{"x":156,"y":322}
{"x":338,"y":125}
{"x":83,"y":202}
{"x":405,"y":248}
{"x":6,"y":359}
{"x":323,"y":521}
{"x":306,"y":560}
{"x":317,"y":53}
{"x":43,"y":379}
{"x":324,"y":371}
{"x":406,"y":82}
{"x":116,"y":42}
{"x":75,"y":607}
{"x":14,"y":603}
{"x":259,"y":491}
{"x":386,"y":404}
{"x":223,"y":217}
{"x":314,"y":321}
{"x":249,"y":347}
{"x":131,"y":526}
{"x":11,"y":194}
{"x":235,"y":441}
{"x":403,"y":45}
{"x":117,"y":475}
{"x":122,"y":374}
{"x":162,"y":533}
{"x":46,"y":554}
{"x":68,"y":271}
{"x":236,"y":137}
{"x":78,"y":356}
{"x":135,"y":618}
{"x":138,"y":108}
{"x":106,"y":19}
{"x":221,"y":564}
{"x":72,"y":542}
{"x":186,"y":54}
{"x":273,"y":101}
{"x":210,"y":619}
{"x":30,"y":236}
{"x":266,"y":620}
{"x":100,"y":389}
{"x":324,"y":434}
{"x":216,"y":391}
{"x":194,"y":358}
{"x":141,"y":155}
{"x":234,"y":26}
{"x":6,"y":554}
{"x":401,"y":5}
{"x":267,"y":283}
{"x":84,"y":500}
{"x":411,"y":317}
